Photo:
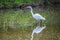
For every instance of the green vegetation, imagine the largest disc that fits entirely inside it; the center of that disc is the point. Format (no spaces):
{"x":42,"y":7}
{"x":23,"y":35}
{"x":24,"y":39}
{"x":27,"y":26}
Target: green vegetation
{"x":17,"y":19}
{"x":10,"y":3}
{"x":18,"y":25}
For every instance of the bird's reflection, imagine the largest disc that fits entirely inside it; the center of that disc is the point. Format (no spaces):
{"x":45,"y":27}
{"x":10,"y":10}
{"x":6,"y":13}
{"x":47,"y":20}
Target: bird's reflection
{"x":37,"y":30}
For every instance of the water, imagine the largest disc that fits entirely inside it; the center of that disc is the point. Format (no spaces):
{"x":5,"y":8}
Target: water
{"x":37,"y":30}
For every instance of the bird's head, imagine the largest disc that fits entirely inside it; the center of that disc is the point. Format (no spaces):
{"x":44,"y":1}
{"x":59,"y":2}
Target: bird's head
{"x":29,"y":7}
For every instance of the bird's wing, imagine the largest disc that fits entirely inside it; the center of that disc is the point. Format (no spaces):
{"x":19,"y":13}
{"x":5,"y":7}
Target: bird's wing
{"x":38,"y":15}
{"x":39,"y":29}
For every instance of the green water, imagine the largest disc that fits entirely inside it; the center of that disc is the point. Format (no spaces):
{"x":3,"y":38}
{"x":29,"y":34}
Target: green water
{"x":18,"y":25}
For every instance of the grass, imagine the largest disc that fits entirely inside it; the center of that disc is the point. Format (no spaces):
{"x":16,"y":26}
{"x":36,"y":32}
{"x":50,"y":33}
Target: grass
{"x":16,"y":19}
{"x":18,"y":25}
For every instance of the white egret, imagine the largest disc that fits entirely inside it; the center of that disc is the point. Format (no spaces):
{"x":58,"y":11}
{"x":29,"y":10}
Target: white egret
{"x":37,"y":30}
{"x":36,"y":16}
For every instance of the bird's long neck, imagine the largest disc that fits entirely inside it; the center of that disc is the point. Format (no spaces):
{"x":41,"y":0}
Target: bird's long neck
{"x":31,"y":11}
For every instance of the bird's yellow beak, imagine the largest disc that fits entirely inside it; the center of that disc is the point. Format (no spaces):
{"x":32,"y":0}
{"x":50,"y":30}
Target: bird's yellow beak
{"x":27,"y":7}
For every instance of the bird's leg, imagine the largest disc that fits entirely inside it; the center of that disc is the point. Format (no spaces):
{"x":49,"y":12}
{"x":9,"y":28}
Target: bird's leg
{"x":41,"y":23}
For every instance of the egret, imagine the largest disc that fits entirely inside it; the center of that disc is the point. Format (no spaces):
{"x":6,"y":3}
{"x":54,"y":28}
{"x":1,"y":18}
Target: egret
{"x":37,"y":30}
{"x":36,"y":16}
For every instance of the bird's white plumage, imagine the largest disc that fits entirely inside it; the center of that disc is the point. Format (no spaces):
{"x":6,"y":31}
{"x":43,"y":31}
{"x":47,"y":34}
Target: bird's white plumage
{"x":38,"y":29}
{"x":38,"y":17}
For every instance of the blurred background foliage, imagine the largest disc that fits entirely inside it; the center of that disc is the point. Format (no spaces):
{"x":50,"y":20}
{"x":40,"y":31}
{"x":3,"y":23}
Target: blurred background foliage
{"x":10,"y":17}
{"x":16,"y":24}
{"x":10,"y":3}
